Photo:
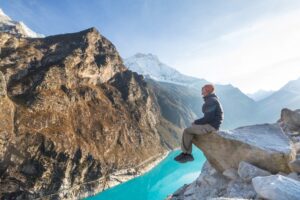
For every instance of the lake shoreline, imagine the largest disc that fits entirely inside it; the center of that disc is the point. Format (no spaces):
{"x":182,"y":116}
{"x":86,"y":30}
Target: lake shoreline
{"x":128,"y":174}
{"x":159,"y":181}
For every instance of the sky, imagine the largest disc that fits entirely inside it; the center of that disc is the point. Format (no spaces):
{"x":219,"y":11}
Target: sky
{"x":251,"y":44}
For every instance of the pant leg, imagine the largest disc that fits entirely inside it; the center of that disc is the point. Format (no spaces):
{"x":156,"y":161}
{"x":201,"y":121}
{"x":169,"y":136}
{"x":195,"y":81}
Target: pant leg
{"x":190,"y":132}
{"x":186,"y":142}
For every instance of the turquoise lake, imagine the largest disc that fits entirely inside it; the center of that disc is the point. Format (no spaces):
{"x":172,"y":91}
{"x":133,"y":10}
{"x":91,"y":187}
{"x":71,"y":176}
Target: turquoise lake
{"x":157,"y":184}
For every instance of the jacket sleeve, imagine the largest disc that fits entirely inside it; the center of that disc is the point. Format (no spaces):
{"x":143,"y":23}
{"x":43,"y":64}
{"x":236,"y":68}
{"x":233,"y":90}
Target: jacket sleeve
{"x":209,"y":113}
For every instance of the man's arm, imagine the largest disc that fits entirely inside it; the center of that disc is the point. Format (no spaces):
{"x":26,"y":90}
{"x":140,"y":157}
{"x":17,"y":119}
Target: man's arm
{"x":209,"y":114}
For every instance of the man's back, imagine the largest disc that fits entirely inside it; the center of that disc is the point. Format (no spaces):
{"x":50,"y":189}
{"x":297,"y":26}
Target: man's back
{"x":213,"y":112}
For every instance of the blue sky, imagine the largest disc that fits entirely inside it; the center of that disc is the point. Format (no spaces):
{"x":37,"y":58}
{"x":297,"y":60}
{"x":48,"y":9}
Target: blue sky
{"x":248,"y":43}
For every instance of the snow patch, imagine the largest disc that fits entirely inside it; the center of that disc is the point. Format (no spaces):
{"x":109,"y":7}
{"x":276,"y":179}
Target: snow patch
{"x":29,"y":32}
{"x":3,"y":16}
{"x":8,"y":25}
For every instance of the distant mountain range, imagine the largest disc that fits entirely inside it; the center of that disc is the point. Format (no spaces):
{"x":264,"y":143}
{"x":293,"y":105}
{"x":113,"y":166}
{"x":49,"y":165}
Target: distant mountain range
{"x":288,"y":96}
{"x":260,"y":94}
{"x":179,"y":95}
{"x":14,"y":27}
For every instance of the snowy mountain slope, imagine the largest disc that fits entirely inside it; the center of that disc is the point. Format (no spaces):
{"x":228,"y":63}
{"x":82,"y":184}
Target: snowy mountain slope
{"x":150,"y":66}
{"x":14,"y":27}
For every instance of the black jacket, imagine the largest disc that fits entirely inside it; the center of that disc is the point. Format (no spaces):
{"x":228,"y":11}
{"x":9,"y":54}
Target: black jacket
{"x":213,"y":112}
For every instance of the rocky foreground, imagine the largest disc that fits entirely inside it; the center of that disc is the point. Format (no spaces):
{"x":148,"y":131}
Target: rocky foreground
{"x":252,"y":162}
{"x":73,"y":120}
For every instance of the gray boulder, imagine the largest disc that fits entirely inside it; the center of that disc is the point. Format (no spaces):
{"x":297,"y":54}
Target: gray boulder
{"x":240,"y":189}
{"x":277,"y":187}
{"x":248,"y":171}
{"x":294,"y":176}
{"x":231,"y":174}
{"x":295,"y":165}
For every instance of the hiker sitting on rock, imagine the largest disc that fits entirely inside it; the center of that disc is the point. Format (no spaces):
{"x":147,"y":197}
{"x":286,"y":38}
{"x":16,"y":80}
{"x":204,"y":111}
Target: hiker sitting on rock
{"x":210,"y":122}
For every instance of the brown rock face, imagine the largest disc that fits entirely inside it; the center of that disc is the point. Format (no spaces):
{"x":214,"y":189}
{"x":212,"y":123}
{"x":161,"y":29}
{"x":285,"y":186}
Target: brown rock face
{"x":290,"y":120}
{"x":71,"y":115}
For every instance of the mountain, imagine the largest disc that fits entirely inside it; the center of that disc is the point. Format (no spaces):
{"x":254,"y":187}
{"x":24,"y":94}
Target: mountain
{"x":73,"y":119}
{"x":17,"y":28}
{"x":260,"y":94}
{"x":178,"y":104}
{"x":150,"y":66}
{"x":286,"y":97}
{"x":239,"y":109}
{"x":179,"y":96}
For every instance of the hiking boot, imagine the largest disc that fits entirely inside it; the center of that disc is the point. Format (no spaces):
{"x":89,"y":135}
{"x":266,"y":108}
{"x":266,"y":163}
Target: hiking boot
{"x":184,"y":157}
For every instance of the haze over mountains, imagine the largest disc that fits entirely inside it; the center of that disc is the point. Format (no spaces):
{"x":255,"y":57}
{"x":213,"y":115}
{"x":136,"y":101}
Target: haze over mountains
{"x":239,"y":108}
{"x":260,"y":94}
{"x":288,"y":96}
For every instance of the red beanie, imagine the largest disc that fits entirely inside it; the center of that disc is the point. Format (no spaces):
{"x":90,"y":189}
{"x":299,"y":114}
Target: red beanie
{"x":209,"y":88}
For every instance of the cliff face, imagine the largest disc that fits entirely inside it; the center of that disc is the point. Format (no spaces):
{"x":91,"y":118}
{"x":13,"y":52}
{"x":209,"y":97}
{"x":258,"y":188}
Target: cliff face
{"x":177,"y":102}
{"x":71,"y":116}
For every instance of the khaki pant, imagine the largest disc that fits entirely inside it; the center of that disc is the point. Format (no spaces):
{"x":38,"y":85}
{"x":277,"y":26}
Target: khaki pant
{"x":190,"y":132}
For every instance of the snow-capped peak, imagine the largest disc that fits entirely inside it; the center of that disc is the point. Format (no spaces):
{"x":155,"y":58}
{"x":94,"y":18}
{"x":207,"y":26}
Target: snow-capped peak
{"x":3,"y":16}
{"x":17,"y":28}
{"x":29,"y":32}
{"x":149,"y":65}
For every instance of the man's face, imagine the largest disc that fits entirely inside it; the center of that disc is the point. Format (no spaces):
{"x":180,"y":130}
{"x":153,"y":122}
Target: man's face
{"x":204,"y":92}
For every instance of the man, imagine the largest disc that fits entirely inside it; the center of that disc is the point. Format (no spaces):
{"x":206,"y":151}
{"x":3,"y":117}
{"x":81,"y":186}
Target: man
{"x":209,"y":123}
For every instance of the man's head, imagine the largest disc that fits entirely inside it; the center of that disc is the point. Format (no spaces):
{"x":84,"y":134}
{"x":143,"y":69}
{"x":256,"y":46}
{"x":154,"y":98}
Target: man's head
{"x":207,"y":89}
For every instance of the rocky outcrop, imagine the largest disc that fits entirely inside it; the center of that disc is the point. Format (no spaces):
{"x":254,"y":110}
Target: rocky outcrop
{"x":290,"y":119}
{"x":251,"y":162}
{"x":73,"y":119}
{"x":265,"y":146}
{"x":290,"y":123}
{"x":211,"y":184}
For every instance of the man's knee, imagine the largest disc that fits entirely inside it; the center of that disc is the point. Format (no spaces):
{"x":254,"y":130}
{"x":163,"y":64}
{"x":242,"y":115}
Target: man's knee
{"x":187,"y":130}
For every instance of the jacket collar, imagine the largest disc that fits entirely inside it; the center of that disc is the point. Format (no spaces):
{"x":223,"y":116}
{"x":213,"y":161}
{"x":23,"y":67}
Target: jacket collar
{"x":212,"y":95}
